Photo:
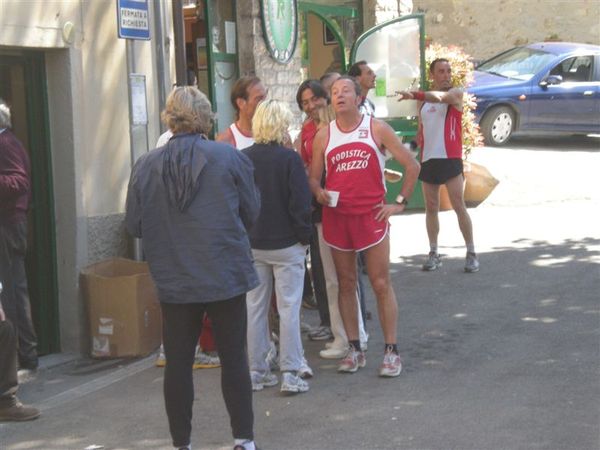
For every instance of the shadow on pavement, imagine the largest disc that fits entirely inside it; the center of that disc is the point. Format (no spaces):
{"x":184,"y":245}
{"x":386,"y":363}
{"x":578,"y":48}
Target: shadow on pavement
{"x":505,"y":358}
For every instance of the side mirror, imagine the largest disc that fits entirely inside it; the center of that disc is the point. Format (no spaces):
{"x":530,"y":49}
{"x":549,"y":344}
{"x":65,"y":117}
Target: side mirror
{"x":551,"y":80}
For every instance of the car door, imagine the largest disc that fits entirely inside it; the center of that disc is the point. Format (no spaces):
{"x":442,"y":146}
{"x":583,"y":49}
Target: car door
{"x":567,"y":98}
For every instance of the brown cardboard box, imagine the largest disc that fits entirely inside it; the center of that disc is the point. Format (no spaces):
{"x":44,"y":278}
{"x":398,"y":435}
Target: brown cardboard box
{"x":123,"y":308}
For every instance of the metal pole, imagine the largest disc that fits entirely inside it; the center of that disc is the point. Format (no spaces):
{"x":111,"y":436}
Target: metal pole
{"x":179,"y":33}
{"x":160,"y":58}
{"x":138,"y":135}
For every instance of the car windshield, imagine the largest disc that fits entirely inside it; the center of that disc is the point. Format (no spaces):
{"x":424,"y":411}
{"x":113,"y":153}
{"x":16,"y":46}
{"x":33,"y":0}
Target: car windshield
{"x":521,"y":63}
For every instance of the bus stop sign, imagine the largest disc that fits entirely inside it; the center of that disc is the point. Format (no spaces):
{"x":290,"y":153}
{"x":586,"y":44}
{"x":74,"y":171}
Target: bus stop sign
{"x":133,"y":20}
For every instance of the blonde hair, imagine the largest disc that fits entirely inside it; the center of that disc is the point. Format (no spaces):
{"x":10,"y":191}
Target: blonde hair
{"x":188,"y":111}
{"x":326,"y":115}
{"x":271,"y":122}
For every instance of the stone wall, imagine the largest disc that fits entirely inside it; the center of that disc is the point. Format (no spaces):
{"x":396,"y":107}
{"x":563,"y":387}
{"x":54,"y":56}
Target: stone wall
{"x":282,"y":80}
{"x":377,"y":11}
{"x":484,"y":28}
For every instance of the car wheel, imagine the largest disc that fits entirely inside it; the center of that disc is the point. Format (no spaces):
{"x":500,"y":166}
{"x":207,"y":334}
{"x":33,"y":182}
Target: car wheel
{"x":497,"y":125}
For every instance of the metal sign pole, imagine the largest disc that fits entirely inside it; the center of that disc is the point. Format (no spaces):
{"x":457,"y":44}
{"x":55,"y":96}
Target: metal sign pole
{"x":138,"y":120}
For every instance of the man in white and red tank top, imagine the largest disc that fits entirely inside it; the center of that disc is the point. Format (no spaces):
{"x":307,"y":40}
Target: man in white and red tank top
{"x":440,"y":138}
{"x":351,"y":151}
{"x":246,"y":94}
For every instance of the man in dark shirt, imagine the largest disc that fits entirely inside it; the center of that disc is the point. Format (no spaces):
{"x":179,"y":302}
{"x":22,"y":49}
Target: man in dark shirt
{"x":14,"y":201}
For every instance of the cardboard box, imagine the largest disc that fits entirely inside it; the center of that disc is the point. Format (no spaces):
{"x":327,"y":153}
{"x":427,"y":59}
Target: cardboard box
{"x":123,"y":308}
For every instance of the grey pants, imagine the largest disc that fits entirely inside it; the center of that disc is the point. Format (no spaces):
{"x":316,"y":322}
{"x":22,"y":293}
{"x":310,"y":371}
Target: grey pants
{"x":8,"y":365}
{"x":282,"y":270}
{"x":15,"y":296}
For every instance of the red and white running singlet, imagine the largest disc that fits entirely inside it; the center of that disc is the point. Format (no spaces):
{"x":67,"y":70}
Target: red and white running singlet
{"x":442,"y":131}
{"x":241,"y":140}
{"x":354,"y":167}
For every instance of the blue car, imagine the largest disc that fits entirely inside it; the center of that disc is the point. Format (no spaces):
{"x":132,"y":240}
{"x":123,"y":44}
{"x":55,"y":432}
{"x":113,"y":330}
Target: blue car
{"x":548,"y":86}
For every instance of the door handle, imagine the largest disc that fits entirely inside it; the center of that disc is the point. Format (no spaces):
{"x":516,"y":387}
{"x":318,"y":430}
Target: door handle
{"x":588,"y":93}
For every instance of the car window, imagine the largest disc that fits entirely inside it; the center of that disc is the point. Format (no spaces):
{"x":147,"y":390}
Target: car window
{"x":521,"y":63}
{"x":575,"y":69}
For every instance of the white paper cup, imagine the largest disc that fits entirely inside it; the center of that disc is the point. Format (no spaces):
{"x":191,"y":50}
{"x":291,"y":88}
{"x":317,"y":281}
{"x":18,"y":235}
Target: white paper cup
{"x":333,"y":198}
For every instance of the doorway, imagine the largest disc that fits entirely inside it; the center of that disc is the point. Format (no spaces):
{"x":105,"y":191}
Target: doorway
{"x":23,"y":87}
{"x":212,"y":55}
{"x":328,"y":30}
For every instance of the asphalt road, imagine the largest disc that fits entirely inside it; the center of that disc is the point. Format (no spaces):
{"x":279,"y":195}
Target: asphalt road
{"x":507,"y":358}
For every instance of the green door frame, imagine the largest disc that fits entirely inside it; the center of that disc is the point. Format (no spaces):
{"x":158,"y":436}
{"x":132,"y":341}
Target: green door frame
{"x":324,"y":13}
{"x":41,"y":256}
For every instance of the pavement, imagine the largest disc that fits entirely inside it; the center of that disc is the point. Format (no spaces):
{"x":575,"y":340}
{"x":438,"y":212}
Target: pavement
{"x":507,"y":358}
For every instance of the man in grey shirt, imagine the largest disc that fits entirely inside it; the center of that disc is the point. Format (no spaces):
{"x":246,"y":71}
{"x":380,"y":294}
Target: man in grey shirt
{"x":192,"y":201}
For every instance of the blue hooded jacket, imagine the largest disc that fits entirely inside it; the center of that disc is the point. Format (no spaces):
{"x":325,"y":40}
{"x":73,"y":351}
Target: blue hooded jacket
{"x":192,"y":202}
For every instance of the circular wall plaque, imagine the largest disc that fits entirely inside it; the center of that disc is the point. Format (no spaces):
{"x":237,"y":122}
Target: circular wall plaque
{"x":280,"y":27}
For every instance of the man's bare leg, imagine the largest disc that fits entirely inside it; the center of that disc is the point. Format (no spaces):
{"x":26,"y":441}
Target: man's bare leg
{"x":378,"y":269}
{"x":431,"y":193}
{"x":455,"y":188}
{"x":345,"y":266}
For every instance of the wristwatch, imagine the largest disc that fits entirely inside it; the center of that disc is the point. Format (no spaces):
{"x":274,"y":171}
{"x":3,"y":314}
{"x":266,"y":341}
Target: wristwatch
{"x":400,"y":200}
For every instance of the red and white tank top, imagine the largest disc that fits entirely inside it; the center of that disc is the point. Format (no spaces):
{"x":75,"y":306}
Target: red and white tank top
{"x":354,"y":167}
{"x":442,"y":131}
{"x":241,"y":140}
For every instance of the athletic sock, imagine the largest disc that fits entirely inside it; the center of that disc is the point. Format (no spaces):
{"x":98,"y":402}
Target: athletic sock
{"x":391,"y":347}
{"x":470,"y":248}
{"x":433,"y":248}
{"x":356,"y":345}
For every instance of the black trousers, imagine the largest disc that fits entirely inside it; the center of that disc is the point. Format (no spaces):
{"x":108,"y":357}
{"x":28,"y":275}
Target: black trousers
{"x":15,"y":296}
{"x":182,"y":324}
{"x":8,"y":364}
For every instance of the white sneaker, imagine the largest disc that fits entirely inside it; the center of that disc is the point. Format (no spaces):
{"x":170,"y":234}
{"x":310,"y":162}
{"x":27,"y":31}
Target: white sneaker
{"x":161,"y":359}
{"x":364,"y":346}
{"x":333,"y":353}
{"x":293,"y":384}
{"x":353,"y":361}
{"x":391,"y":366}
{"x":206,"y":360}
{"x":262,"y":380}
{"x":305,"y":371}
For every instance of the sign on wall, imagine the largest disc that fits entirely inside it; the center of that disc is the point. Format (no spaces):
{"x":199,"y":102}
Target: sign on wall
{"x":133,"y":19}
{"x":280,"y":27}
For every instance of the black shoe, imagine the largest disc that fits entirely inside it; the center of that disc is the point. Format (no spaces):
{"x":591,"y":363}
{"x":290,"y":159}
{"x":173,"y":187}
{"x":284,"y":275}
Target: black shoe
{"x":18,"y":413}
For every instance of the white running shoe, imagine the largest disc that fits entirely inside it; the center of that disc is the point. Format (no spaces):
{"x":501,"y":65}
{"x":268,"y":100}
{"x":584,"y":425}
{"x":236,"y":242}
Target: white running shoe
{"x":292,"y":384}
{"x":333,"y":353}
{"x":262,"y":380}
{"x":305,"y":371}
{"x":391,"y":366}
{"x":353,"y":361}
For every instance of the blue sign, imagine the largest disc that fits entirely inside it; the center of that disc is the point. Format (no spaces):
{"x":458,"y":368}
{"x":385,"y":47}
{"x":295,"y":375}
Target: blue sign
{"x":133,"y":19}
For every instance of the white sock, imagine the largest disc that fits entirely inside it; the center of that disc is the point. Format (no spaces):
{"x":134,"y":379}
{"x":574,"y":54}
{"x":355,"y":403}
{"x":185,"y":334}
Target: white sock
{"x":433,"y":248}
{"x":248,"y":445}
{"x":471,"y":248}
